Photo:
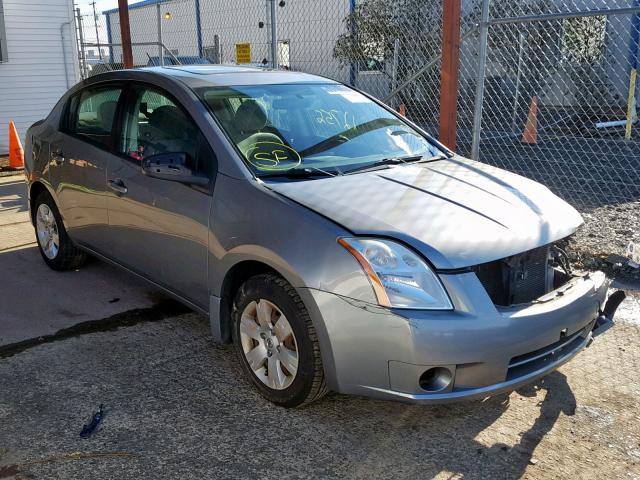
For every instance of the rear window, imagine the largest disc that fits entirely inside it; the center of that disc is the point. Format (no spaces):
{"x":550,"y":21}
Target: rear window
{"x":92,"y":114}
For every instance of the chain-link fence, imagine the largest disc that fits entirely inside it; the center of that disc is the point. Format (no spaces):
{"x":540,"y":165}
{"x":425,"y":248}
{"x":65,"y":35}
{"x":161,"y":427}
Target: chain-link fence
{"x":546,"y":87}
{"x":563,"y":65}
{"x":573,"y":67}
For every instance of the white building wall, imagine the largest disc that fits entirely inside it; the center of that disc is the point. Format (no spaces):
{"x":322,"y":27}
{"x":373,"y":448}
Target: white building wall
{"x":34,"y":78}
{"x":236,"y":23}
{"x":310,"y":26}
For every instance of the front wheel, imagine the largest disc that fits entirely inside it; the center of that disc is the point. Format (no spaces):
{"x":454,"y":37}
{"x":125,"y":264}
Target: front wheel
{"x":276,"y":342}
{"x":56,"y":248}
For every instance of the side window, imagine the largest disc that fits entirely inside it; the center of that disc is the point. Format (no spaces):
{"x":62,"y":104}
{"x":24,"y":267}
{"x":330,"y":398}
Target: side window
{"x":155,"y":124}
{"x":92,"y":114}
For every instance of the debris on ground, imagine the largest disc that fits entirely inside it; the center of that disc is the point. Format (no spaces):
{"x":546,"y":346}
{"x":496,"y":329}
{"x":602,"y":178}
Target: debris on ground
{"x":89,"y":428}
{"x":609,"y":241}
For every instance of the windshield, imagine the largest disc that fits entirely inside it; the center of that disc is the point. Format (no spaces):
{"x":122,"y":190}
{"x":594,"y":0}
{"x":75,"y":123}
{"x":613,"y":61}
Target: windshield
{"x":311,"y":127}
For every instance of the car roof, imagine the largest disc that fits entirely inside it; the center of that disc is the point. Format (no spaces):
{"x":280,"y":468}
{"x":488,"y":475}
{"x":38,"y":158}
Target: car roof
{"x":217,"y":75}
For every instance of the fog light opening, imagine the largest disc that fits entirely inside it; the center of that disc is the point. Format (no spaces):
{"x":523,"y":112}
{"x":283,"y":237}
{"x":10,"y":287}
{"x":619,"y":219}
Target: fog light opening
{"x":435,"y":379}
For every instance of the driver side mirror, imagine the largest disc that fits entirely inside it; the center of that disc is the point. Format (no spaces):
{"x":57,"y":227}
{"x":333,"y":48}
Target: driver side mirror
{"x":172,"y":167}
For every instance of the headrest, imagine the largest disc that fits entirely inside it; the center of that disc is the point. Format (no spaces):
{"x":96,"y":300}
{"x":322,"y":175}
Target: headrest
{"x":250,"y":117}
{"x":106,"y":113}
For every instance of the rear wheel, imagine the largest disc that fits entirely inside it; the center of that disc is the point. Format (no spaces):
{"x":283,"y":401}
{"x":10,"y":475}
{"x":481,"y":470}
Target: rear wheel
{"x":56,"y":248}
{"x":276,"y":342}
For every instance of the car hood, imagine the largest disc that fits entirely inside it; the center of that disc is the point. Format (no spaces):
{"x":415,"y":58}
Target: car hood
{"x":456,"y":211}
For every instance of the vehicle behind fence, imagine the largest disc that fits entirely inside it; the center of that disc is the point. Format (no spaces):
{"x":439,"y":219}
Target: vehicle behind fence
{"x":564,"y":67}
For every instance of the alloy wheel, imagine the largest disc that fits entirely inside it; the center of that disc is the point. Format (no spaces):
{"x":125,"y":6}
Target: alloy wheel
{"x":269,"y":344}
{"x":47,"y":231}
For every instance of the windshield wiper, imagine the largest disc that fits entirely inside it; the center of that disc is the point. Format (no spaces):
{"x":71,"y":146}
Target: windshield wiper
{"x":439,"y":156}
{"x":348,"y":135}
{"x":385,"y":162}
{"x":305,"y":172}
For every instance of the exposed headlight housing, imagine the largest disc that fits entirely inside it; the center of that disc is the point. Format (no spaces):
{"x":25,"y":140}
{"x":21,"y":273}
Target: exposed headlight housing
{"x":399,"y":277}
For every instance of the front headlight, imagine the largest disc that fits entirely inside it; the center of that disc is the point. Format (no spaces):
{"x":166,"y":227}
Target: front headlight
{"x":399,"y":277}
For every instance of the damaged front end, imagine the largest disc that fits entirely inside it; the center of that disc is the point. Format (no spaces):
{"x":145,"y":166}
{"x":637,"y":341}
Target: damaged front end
{"x":538,"y":275}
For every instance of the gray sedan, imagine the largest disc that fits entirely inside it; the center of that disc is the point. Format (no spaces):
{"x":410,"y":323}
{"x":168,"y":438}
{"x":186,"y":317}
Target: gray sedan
{"x":335,"y":243}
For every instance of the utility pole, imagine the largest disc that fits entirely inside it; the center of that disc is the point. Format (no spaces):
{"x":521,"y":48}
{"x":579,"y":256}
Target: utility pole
{"x":449,"y":72}
{"x":125,"y":33}
{"x":83,"y":61}
{"x":95,"y":24}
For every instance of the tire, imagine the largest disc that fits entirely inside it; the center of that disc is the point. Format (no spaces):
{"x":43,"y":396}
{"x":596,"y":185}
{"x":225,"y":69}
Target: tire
{"x":271,"y":293}
{"x":47,"y":220}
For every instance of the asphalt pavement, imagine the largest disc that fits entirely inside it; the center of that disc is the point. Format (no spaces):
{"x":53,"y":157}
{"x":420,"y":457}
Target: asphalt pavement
{"x":37,"y":301}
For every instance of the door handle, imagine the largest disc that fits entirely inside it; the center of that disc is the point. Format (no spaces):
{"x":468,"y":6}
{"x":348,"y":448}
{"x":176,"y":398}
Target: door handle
{"x":57,"y":157}
{"x":118,"y":186}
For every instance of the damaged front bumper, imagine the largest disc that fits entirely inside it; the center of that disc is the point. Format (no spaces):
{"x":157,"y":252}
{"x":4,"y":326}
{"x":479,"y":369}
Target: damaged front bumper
{"x":474,"y":351}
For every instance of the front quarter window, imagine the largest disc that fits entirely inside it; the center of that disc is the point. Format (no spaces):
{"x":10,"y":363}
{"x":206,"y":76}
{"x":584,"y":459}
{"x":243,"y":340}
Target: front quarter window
{"x":296,"y":127}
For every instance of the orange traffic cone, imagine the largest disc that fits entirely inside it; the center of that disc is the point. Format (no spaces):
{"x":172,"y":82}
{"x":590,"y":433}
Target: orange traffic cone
{"x":16,"y":153}
{"x":402,"y":110}
{"x":530,"y":134}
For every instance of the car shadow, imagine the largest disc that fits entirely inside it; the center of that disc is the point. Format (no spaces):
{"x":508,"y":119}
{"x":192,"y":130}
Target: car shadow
{"x":13,"y":195}
{"x":447,"y":439}
{"x":174,"y":394}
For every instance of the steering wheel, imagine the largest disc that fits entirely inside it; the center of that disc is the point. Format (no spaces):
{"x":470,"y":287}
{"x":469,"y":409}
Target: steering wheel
{"x":266,"y":151}
{"x":258,"y":137}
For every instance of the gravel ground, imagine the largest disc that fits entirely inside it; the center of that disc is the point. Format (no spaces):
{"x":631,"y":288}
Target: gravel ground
{"x":602,"y":241}
{"x":177,"y":407}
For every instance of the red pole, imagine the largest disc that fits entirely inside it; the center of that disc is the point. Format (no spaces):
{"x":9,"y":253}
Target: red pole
{"x":125,"y":33}
{"x":449,"y":72}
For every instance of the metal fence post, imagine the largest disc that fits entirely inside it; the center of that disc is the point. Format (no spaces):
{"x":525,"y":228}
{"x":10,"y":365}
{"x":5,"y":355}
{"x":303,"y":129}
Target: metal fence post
{"x":196,"y":5}
{"x":160,"y":50}
{"x":353,"y":67}
{"x":95,"y":24}
{"x":516,"y":96}
{"x":217,"y":54}
{"x":394,"y":65}
{"x":274,"y":35}
{"x":482,"y":65}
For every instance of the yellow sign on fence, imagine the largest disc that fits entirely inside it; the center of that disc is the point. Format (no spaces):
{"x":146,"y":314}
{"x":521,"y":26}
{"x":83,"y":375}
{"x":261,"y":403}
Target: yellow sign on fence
{"x":243,"y":53}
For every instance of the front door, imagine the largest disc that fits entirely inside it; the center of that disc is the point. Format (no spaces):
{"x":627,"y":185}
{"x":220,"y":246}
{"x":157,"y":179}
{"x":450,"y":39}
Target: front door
{"x":80,"y":153}
{"x":159,"y":228}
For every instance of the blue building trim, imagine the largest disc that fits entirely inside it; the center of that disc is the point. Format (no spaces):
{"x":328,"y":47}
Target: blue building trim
{"x":634,"y":39}
{"x":353,"y":66}
{"x":109,"y":38}
{"x":144,"y":3}
{"x":198,"y":28}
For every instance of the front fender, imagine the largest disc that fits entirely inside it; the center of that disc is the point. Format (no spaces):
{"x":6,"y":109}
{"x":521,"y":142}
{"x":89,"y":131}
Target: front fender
{"x":250,"y":223}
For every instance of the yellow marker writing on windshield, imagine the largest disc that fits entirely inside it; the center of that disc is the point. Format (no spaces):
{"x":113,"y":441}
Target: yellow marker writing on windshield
{"x":272,"y":156}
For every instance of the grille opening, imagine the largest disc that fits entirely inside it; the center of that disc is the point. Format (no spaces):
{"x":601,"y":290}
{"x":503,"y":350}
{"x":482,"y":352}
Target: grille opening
{"x":524,"y":277}
{"x":538,"y":359}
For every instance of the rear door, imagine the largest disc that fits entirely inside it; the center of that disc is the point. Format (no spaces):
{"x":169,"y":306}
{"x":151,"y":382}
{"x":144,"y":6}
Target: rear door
{"x":159,"y":228}
{"x":80,"y":153}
